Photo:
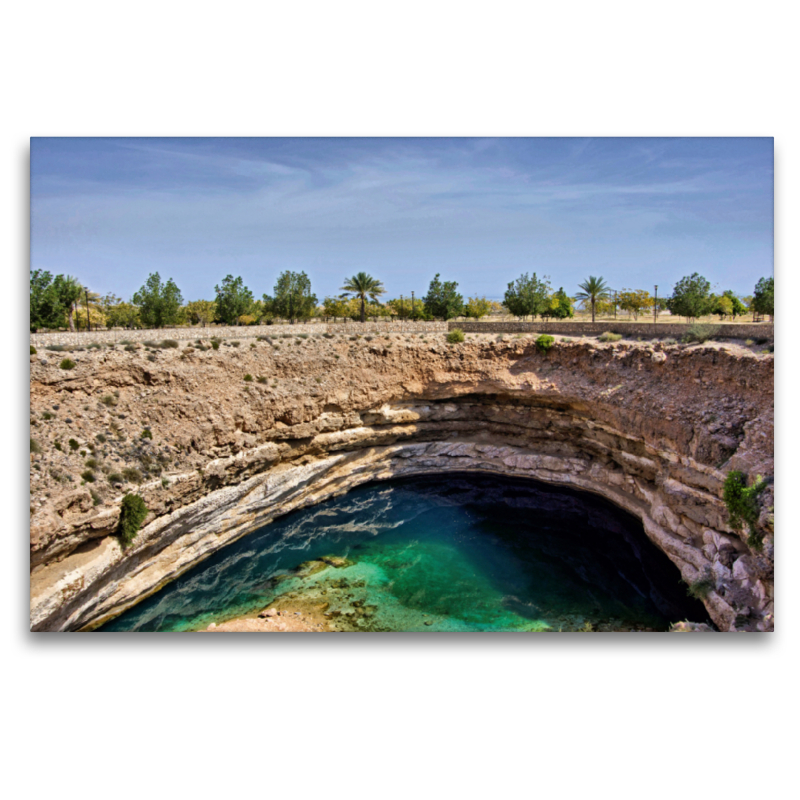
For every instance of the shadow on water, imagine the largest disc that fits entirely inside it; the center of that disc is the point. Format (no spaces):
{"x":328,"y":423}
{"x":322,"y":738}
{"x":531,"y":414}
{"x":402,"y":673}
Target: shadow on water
{"x":453,"y":553}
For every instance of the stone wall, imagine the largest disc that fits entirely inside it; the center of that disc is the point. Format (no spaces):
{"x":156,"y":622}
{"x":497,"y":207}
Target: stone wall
{"x":763,"y":330}
{"x":117,"y":335}
{"x":432,"y":326}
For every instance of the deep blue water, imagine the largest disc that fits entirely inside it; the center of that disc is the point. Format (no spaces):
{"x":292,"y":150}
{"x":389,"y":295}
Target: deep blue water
{"x":457,"y":553}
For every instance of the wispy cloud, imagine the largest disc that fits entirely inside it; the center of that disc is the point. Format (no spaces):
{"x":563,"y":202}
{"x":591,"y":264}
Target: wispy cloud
{"x":482,"y":210}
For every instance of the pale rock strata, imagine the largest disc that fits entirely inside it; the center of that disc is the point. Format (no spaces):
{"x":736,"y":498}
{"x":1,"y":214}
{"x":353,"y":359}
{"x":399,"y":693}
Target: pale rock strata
{"x":606,"y":419}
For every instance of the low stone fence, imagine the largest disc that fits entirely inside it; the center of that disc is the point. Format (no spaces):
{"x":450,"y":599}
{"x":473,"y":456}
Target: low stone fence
{"x":224,"y":332}
{"x":761,"y":330}
{"x":433,"y":326}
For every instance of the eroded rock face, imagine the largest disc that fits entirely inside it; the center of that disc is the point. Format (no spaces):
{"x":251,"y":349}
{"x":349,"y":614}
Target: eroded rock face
{"x":654,"y":429}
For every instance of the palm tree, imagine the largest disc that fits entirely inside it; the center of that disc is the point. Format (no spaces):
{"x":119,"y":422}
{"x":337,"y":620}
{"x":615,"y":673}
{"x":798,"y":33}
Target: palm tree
{"x":594,"y":289}
{"x":69,"y":293}
{"x":364,"y":286}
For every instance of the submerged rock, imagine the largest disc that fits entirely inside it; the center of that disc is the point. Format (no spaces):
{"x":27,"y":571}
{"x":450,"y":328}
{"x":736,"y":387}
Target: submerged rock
{"x":690,"y":627}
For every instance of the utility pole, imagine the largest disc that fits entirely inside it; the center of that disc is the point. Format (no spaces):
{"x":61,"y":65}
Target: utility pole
{"x":88,"y":321}
{"x":655,"y":307}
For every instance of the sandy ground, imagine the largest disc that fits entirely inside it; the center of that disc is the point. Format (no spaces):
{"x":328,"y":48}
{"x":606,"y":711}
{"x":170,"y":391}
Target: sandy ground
{"x":279,"y":617}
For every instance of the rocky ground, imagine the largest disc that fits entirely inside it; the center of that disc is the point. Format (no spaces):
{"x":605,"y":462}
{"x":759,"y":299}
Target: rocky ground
{"x":177,"y":425}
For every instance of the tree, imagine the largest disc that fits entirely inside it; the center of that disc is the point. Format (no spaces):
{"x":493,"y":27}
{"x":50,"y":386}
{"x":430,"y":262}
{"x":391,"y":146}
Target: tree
{"x":159,"y":303}
{"x":96,"y":313}
{"x":559,"y":305}
{"x":376,"y":311}
{"x":53,"y":301}
{"x":45,"y":306}
{"x":335,"y":307}
{"x":764,"y":297}
{"x":442,"y":300}
{"x":528,"y":296}
{"x":721,"y":305}
{"x":727,"y":305}
{"x":69,"y":293}
{"x":592,"y":290}
{"x":401,"y":308}
{"x":635,"y":301}
{"x":477,"y":307}
{"x":233,"y":300}
{"x":121,"y":315}
{"x":690,"y":297}
{"x":293,"y":299}
{"x":739,"y":308}
{"x":364,"y":286}
{"x":200,"y":312}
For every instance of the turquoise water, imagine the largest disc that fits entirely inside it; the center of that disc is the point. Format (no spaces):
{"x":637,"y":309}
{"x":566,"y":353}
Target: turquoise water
{"x":457,"y":553}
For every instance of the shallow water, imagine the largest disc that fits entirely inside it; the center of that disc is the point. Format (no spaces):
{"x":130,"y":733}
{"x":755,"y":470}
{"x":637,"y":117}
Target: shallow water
{"x":457,"y":553}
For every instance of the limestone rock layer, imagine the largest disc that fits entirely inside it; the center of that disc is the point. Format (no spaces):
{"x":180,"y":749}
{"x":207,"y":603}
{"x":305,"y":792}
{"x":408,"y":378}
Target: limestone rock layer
{"x":215,"y":455}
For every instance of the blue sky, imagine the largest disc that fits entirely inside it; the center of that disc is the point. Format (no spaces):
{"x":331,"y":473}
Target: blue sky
{"x":479,"y":211}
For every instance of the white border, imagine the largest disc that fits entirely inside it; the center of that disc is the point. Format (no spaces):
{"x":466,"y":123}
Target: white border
{"x":486,"y":716}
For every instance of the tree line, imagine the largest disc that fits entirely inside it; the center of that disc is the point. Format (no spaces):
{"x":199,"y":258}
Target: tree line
{"x":62,"y":302}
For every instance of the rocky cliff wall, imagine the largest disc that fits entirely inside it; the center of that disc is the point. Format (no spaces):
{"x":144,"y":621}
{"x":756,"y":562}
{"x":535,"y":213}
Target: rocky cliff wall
{"x":653,"y":428}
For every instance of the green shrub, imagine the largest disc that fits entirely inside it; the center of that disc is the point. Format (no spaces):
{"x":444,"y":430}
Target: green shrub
{"x":544,"y":343}
{"x":91,"y":463}
{"x":700,"y":333}
{"x":67,"y":363}
{"x":608,"y":336}
{"x":169,"y":343}
{"x":455,"y":336}
{"x":95,"y":497}
{"x":262,"y":379}
{"x":108,"y":400}
{"x":35,"y":448}
{"x":215,"y":344}
{"x":73,"y":445}
{"x":234,"y":343}
{"x":701,"y":588}
{"x":101,"y":438}
{"x":88,"y":476}
{"x":146,"y":434}
{"x":248,"y":377}
{"x":742,"y":504}
{"x":130,"y":348}
{"x":164,"y":483}
{"x":115,"y":477}
{"x":57,"y":445}
{"x":151,"y":357}
{"x":33,"y":350}
{"x":132,"y":474}
{"x":670,"y":340}
{"x":150,"y":343}
{"x":46,"y":415}
{"x":131,"y":516}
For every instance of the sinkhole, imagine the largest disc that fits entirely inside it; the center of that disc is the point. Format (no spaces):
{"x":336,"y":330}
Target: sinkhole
{"x":456,"y":552}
